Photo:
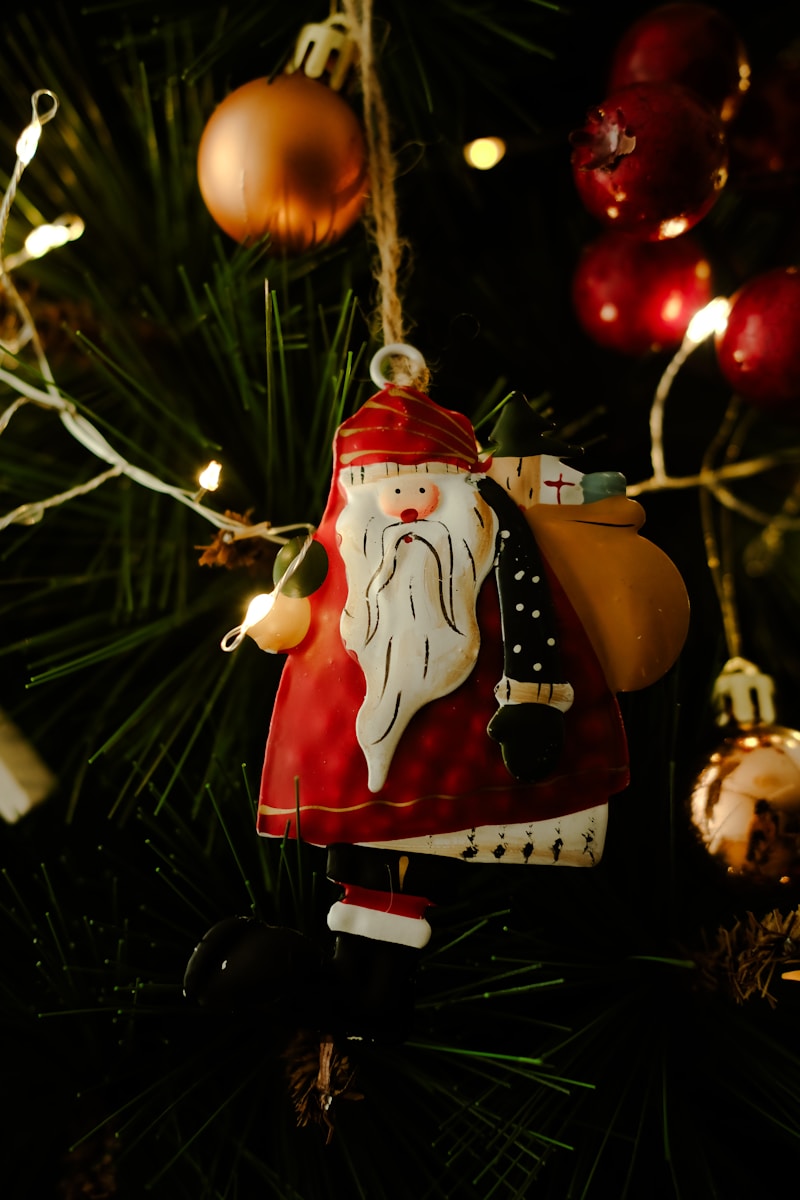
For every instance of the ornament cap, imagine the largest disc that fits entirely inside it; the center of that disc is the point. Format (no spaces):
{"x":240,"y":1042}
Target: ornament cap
{"x":744,"y":694}
{"x":325,"y":47}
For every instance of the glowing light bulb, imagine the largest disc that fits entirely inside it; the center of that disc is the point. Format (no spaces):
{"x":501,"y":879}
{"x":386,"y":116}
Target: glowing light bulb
{"x":485,"y":152}
{"x":28,"y":140}
{"x":711,"y":319}
{"x":209,"y":476}
{"x":257,"y":609}
{"x":46,"y":237}
{"x":674,"y":227}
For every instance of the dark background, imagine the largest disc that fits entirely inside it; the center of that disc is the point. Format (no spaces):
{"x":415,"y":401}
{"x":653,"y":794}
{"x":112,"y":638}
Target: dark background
{"x":652,"y":1082}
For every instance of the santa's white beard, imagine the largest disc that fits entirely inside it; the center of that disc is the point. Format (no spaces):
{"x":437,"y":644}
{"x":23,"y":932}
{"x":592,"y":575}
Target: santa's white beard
{"x":410,"y":614}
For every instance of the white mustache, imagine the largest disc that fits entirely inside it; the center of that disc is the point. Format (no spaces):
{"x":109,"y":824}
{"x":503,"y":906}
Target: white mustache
{"x":409,"y":618}
{"x":387,"y":568}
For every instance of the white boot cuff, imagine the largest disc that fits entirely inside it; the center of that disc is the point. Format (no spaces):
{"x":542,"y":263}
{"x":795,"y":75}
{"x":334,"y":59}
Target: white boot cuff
{"x":380,"y":926}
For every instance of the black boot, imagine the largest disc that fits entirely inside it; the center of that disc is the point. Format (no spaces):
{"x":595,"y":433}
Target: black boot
{"x":373,"y":988}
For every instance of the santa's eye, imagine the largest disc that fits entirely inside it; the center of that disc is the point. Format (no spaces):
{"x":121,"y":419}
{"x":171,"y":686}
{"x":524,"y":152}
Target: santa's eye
{"x":397,"y":491}
{"x":422,"y":491}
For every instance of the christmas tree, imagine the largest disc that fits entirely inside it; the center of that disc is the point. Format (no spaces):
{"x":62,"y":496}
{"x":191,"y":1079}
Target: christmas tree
{"x":625,"y":1030}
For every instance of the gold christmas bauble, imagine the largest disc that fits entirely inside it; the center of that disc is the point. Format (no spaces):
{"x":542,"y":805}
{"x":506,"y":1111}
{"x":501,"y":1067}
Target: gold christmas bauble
{"x":745,"y":805}
{"x":284,"y":157}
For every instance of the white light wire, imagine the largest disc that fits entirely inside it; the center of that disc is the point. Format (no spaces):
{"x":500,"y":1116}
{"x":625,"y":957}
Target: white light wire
{"x":78,"y":426}
{"x":709,"y":320}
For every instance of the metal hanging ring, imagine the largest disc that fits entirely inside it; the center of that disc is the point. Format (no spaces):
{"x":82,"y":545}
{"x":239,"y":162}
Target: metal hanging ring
{"x":394,"y":348}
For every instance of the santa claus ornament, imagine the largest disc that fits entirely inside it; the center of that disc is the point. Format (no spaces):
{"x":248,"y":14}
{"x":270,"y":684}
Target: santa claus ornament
{"x":455,"y":632}
{"x":285,"y":157}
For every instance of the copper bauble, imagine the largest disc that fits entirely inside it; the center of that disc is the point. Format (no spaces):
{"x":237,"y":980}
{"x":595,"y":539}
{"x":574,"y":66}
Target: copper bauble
{"x":286,"y":158}
{"x":745,"y":805}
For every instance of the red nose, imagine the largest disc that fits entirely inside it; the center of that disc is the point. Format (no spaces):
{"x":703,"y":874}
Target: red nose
{"x":408,"y":515}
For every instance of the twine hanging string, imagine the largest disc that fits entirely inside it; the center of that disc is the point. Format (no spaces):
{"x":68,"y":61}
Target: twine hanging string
{"x":391,"y":248}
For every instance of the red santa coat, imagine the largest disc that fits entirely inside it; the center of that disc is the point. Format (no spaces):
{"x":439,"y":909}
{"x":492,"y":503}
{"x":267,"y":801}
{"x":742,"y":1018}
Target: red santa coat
{"x":447,"y":774}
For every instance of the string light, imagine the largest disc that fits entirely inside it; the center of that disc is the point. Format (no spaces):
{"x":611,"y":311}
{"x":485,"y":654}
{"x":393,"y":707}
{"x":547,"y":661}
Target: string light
{"x":208,"y":479}
{"x":262,"y":604}
{"x":28,"y":140}
{"x":704,"y":322}
{"x":27,"y":144}
{"x":209,"y":476}
{"x":257,"y":609}
{"x":44,"y":238}
{"x":26,"y":148}
{"x":44,"y":105}
{"x":485,"y":152}
{"x":31,"y":514}
{"x":710,"y":319}
{"x":742,"y":691}
{"x":83,"y":431}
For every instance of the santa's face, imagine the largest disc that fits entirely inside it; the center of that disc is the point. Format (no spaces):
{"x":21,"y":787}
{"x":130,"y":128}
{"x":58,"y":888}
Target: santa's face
{"x":408,"y":498}
{"x":417,"y":544}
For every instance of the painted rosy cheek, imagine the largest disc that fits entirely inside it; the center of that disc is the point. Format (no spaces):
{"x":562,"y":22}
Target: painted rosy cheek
{"x":427,"y":499}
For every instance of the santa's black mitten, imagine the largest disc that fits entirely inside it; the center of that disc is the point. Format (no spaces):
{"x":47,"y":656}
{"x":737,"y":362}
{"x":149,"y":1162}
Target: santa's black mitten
{"x":531,"y":737}
{"x":244,"y":964}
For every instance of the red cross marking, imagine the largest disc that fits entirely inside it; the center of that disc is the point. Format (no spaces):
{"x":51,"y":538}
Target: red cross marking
{"x":559,"y":484}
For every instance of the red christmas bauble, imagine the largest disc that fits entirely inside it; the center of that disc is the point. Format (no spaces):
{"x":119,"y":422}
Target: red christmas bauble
{"x":283,"y":157}
{"x":759,"y":350}
{"x":633,"y":296}
{"x":650,"y":160}
{"x":691,"y":44}
{"x":764,"y":138}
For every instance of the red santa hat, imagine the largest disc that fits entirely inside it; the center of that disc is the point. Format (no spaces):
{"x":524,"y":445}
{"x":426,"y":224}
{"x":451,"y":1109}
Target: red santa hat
{"x":402,"y":425}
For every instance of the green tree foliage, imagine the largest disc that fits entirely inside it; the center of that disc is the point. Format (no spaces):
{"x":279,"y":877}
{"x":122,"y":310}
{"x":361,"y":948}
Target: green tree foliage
{"x":565,"y":1043}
